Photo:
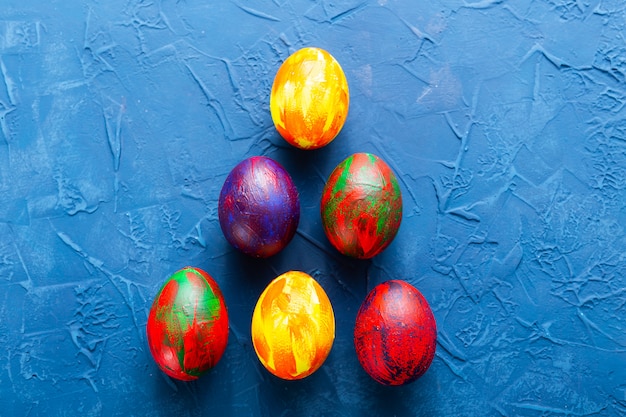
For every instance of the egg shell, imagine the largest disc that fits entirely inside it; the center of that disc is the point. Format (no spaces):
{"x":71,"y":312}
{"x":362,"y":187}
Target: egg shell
{"x":293,"y":326}
{"x":395,"y":334}
{"x":309,"y":99}
{"x":259,"y":207}
{"x":361,"y":206}
{"x":188,"y":324}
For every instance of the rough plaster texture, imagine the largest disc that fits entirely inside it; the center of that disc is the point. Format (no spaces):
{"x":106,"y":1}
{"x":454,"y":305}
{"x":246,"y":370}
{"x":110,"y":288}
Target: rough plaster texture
{"x":504,"y":120}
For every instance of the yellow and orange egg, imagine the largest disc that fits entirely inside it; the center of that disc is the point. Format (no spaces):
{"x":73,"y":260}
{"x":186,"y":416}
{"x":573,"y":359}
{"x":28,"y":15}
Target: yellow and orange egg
{"x":293,"y":326}
{"x":310,"y":98}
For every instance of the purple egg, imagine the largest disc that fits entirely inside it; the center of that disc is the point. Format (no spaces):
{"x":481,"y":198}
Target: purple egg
{"x":259,"y":209}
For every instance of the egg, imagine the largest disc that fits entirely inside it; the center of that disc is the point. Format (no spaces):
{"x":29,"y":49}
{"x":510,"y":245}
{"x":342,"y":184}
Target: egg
{"x":259,"y":207}
{"x":293,"y":326}
{"x":188,"y":324}
{"x":309,"y":99}
{"x":361,"y":206}
{"x":395,"y":334}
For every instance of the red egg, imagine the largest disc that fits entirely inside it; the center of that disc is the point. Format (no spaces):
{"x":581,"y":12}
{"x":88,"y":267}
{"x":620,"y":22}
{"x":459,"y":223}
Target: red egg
{"x":395,"y":333}
{"x":188,"y":325}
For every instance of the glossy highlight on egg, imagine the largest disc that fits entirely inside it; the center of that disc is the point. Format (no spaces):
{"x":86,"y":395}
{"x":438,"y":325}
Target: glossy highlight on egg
{"x":361,"y":206}
{"x":259,"y":207}
{"x":309,"y":99}
{"x":395,"y":335}
{"x":293,"y":326}
{"x":187,"y":326}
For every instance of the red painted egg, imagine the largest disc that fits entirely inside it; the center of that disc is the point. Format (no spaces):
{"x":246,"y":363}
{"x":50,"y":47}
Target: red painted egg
{"x":188,"y":325}
{"x":361,"y":206}
{"x":395,"y":335}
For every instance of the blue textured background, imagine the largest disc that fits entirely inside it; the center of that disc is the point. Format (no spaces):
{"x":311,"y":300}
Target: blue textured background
{"x":505,"y":121}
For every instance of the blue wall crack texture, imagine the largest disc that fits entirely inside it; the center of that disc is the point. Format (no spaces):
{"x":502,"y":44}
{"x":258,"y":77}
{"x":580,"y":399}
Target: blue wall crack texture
{"x":504,"y":120}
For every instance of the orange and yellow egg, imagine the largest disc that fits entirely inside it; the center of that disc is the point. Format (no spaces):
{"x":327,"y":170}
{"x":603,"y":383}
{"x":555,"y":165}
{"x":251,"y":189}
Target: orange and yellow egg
{"x":309,"y":99}
{"x":293,"y":326}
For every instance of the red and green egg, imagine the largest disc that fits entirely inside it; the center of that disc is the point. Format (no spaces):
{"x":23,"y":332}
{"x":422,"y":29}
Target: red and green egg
{"x":361,"y":206}
{"x":188,"y":325}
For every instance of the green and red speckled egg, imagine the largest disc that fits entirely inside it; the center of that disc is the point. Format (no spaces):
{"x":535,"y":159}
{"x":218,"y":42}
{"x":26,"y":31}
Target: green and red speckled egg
{"x":188,"y":325}
{"x":361,"y":206}
{"x":395,"y":335}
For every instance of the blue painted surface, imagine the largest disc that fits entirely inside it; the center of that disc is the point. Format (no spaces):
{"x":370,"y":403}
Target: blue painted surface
{"x":503,"y":119}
